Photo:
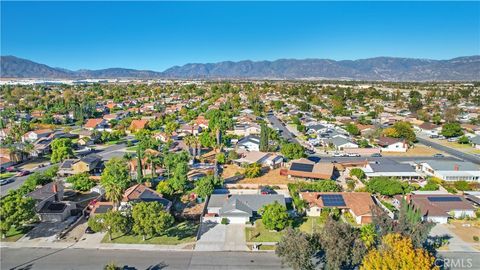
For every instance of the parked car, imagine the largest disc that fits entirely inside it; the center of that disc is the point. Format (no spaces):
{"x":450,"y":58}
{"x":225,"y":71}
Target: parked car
{"x":336,"y":154}
{"x":23,"y":173}
{"x":438,"y":155}
{"x":453,"y":139}
{"x":6,"y":181}
{"x":376,"y":155}
{"x":11,"y":169}
{"x":353,"y":155}
{"x":434,"y":136}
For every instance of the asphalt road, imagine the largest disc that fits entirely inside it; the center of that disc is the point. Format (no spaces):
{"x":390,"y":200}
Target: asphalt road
{"x":451,"y":151}
{"x":106,"y":154}
{"x":276,"y":123}
{"x":384,"y":160}
{"x":49,"y":259}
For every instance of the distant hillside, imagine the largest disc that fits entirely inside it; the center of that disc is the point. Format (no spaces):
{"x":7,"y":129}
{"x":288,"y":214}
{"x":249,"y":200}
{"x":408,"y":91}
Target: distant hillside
{"x":379,"y":68}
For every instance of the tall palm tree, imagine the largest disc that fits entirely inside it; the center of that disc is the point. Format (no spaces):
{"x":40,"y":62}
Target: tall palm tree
{"x":113,"y":193}
{"x":189,"y":142}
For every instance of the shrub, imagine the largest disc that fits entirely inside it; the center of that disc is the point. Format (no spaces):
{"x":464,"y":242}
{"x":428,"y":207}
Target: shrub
{"x":357,"y":172}
{"x":224,"y":221}
{"x":461,"y":185}
{"x":388,"y":186}
{"x":430,"y":186}
{"x":475,"y":238}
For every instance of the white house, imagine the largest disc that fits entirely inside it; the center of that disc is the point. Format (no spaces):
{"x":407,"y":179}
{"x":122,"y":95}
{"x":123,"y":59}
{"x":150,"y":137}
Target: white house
{"x":250,"y":143}
{"x":34,"y":135}
{"x":451,"y":170}
{"x":392,"y":144}
{"x":439,"y":208}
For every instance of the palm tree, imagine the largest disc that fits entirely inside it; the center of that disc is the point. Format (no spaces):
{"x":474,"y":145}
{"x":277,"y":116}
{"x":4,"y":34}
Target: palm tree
{"x":189,"y":142}
{"x":113,"y":193}
{"x":368,"y":235}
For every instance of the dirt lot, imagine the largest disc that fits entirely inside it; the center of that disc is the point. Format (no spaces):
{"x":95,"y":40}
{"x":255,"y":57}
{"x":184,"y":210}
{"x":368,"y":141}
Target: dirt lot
{"x":418,"y":150}
{"x":466,"y":229}
{"x":272,"y":177}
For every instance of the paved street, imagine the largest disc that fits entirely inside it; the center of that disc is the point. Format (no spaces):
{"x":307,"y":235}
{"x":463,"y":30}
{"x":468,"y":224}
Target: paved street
{"x":276,"y":123}
{"x":48,"y":259}
{"x":109,"y":152}
{"x":18,"y":181}
{"x":390,"y":159}
{"x":451,"y":151}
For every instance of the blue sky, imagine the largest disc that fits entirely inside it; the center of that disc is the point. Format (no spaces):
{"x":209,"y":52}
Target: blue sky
{"x":158,"y":35}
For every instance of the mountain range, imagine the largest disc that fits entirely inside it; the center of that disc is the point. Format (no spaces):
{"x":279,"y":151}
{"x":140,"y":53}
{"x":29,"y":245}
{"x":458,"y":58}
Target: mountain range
{"x":465,"y":68}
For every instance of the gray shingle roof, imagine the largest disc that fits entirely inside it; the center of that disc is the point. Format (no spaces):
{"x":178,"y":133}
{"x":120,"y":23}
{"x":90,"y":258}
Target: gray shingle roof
{"x":392,"y":167}
{"x":445,"y":165}
{"x":247,"y":203}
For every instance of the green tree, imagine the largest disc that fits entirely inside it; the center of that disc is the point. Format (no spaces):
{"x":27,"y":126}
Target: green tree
{"x":221,"y":158}
{"x":452,"y":130}
{"x":253,"y":170}
{"x":115,"y":222}
{"x":295,"y":250}
{"x":61,"y":149}
{"x":403,"y":130}
{"x":15,"y":211}
{"x":357,"y":172}
{"x":292,"y":150}
{"x":463,"y":140}
{"x":115,"y":179}
{"x":149,"y":219}
{"x":368,"y":235}
{"x":179,"y":180}
{"x":204,"y":186}
{"x":352,"y":129}
{"x":387,"y":186}
{"x":81,"y":182}
{"x":139,"y":167}
{"x":264,"y":138}
{"x":274,"y":216}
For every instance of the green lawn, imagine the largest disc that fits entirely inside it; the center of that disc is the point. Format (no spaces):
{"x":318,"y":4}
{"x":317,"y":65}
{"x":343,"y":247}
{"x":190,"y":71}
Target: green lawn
{"x":14,"y":234}
{"x":132,"y":148}
{"x":264,"y":235}
{"x":184,"y":232}
{"x":312,"y":224}
{"x":6,"y":175}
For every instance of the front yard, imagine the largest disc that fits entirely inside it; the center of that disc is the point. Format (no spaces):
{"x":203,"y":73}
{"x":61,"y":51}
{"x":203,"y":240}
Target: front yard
{"x":258,"y":233}
{"x":14,"y":234}
{"x":180,"y":233}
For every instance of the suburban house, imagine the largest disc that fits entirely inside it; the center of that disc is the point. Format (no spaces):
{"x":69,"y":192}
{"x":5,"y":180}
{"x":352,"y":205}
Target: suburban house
{"x":91,"y":164}
{"x":341,"y":143}
{"x":190,"y":129}
{"x":391,"y":169}
{"x":142,"y":193}
{"x":201,"y":121}
{"x":48,"y":203}
{"x":96,"y":124}
{"x":34,"y":135}
{"x":439,"y":208}
{"x":392,"y":144}
{"x":239,"y":208}
{"x":451,"y":170}
{"x":246,"y":129}
{"x":137,"y":124}
{"x":164,"y":137}
{"x":359,"y":204}
{"x":271,"y":160}
{"x":307,"y":169}
{"x":250,"y":143}
{"x":430,"y":129}
{"x":475,"y":141}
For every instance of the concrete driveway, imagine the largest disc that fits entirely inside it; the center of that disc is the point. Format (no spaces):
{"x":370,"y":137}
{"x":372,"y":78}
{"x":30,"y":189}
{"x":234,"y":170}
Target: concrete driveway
{"x":219,"y":237}
{"x":455,"y":242}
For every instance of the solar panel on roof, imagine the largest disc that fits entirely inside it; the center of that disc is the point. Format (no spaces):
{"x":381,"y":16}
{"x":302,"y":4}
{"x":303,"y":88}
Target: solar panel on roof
{"x":301,"y":167}
{"x":333,"y":200}
{"x":444,"y":199}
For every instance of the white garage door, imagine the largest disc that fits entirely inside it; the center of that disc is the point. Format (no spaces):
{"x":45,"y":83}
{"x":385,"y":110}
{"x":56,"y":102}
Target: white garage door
{"x":238,"y":220}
